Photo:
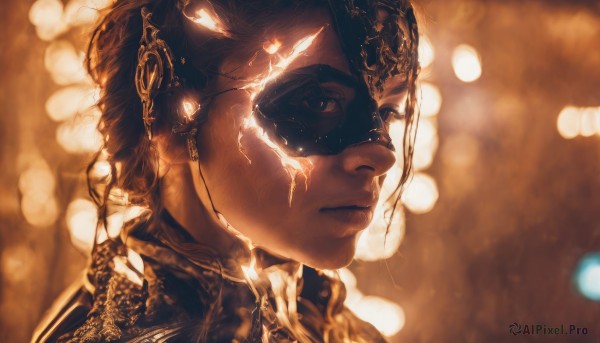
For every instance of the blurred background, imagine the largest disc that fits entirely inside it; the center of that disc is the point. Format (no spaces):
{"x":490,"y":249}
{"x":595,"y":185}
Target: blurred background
{"x":501,"y":222}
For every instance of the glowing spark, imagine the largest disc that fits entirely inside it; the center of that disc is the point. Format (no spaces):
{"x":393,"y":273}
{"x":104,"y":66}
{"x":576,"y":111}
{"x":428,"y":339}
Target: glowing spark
{"x":250,"y":270}
{"x":285,"y":290}
{"x":204,"y":18}
{"x":189,"y":109}
{"x":278,"y":68}
{"x":272,"y":47}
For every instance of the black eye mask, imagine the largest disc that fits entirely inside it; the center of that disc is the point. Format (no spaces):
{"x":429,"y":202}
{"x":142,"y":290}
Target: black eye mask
{"x":303,"y":115}
{"x":307,"y":116}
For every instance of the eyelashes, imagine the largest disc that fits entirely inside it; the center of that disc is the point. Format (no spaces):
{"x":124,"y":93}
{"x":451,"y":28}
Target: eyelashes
{"x":389,"y":113}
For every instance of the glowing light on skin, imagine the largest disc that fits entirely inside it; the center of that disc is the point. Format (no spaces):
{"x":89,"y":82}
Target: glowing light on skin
{"x":209,"y":21}
{"x":294,"y":166}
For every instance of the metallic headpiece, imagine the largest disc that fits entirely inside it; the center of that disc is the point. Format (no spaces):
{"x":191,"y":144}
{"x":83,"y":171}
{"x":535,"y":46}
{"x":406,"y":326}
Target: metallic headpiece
{"x":155,"y":71}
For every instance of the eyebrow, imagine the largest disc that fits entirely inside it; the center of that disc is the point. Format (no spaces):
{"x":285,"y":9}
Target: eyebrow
{"x":398,"y":88}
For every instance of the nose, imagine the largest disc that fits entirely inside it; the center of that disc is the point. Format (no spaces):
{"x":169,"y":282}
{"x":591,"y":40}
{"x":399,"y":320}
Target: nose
{"x":367,"y":158}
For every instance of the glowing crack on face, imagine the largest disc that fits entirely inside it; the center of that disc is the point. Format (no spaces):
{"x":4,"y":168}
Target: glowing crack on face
{"x":293,"y":166}
{"x":210,"y":21}
{"x":277,"y":68}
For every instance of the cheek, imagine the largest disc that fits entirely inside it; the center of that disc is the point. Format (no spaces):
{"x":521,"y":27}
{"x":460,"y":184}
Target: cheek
{"x":246,"y":179}
{"x":251,"y":188}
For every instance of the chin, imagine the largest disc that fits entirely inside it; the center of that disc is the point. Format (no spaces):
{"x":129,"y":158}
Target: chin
{"x":331,"y":255}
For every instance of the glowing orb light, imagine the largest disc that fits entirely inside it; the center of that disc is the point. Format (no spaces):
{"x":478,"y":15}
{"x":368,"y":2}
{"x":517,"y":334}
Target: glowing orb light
{"x":587,"y":276}
{"x":431,"y":101}
{"x":426,"y":52}
{"x":466,"y":63}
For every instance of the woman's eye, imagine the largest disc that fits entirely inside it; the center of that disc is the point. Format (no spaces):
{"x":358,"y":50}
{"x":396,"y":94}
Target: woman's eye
{"x":387,"y":114}
{"x":323,"y":104}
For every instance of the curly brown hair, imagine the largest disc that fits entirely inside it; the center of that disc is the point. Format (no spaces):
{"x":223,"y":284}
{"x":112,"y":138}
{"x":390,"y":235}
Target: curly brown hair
{"x":112,"y":59}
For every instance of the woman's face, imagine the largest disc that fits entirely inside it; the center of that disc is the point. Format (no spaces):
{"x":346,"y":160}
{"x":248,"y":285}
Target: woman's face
{"x":309,"y":209}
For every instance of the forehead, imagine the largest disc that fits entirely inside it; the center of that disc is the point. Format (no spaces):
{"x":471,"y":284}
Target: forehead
{"x":280,"y":42}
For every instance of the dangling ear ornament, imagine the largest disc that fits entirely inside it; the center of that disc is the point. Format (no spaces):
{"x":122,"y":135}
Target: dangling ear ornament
{"x":187,"y":124}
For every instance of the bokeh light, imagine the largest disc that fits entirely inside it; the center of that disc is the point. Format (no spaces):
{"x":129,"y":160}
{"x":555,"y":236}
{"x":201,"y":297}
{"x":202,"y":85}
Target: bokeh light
{"x":587,"y":276}
{"x":466,"y":63}
{"x":38,"y":203}
{"x":375,"y":242}
{"x":82,"y":218}
{"x":64,"y":63}
{"x":460,"y":150}
{"x":81,"y":12}
{"x":80,"y":134}
{"x":575,"y":121}
{"x":431,"y":99}
{"x":47,"y":16}
{"x":17,"y":262}
{"x":386,"y":316}
{"x":421,"y":194}
{"x":426,"y":52}
{"x":40,"y":210}
{"x":426,"y":144}
{"x":66,"y":102}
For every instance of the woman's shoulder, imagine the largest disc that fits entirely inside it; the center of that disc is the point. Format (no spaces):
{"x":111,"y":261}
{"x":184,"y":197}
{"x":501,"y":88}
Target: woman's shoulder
{"x":68,"y":311}
{"x":110,"y":303}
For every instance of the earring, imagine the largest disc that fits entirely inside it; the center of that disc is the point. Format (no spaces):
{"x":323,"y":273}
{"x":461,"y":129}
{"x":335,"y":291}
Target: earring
{"x":155,"y":71}
{"x":188,"y":119}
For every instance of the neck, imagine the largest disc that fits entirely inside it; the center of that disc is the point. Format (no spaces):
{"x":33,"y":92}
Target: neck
{"x":191,"y":208}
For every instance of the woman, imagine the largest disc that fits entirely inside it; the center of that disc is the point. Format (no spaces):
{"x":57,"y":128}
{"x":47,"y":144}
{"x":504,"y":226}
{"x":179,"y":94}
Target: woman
{"x":255,"y":135}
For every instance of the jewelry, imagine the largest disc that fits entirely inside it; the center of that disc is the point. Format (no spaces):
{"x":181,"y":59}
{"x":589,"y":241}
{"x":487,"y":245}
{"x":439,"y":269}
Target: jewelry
{"x":155,"y":70}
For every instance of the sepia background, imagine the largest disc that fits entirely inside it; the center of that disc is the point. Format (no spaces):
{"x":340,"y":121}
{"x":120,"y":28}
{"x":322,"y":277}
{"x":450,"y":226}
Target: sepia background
{"x":502,"y":219}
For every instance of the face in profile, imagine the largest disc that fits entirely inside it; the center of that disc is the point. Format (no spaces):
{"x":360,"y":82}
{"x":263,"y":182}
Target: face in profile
{"x":295,"y":157}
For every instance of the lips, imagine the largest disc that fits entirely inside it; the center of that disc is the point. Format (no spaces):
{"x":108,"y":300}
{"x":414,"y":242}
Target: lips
{"x":356,"y":212}
{"x":362,"y":201}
